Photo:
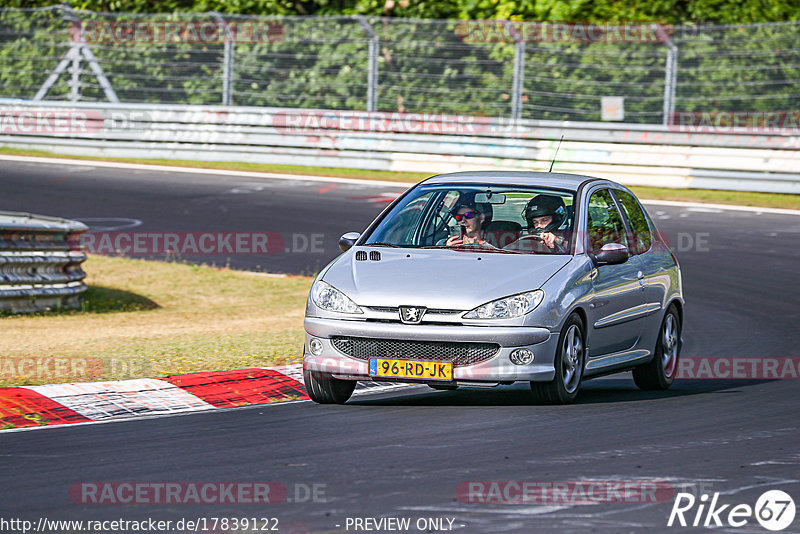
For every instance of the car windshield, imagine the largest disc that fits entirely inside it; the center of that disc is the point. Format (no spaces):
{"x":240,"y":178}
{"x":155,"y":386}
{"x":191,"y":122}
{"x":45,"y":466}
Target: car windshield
{"x":489,"y":218}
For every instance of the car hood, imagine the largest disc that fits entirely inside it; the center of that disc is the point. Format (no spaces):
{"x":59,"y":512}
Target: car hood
{"x":436,"y":278}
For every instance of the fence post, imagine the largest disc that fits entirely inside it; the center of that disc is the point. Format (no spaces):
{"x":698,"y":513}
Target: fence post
{"x":372,"y":66}
{"x":75,"y":80}
{"x":77,"y":48}
{"x":519,"y":78}
{"x":670,"y":74}
{"x":517,"y":82}
{"x":53,"y":78}
{"x":227,"y":61}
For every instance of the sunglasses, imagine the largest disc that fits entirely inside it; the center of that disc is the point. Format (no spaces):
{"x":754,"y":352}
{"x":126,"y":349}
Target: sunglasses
{"x":466,"y":215}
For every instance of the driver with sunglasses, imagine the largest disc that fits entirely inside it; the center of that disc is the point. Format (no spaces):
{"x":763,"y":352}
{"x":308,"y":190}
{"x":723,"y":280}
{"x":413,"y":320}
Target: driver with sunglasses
{"x":470,"y":218}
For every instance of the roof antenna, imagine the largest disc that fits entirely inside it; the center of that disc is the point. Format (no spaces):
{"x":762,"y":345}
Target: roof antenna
{"x":556,"y":154}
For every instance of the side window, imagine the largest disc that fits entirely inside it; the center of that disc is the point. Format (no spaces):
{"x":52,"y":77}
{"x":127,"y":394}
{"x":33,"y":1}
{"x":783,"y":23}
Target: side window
{"x":400,"y":229}
{"x":438,"y":223}
{"x":641,"y":239}
{"x":604,"y":221}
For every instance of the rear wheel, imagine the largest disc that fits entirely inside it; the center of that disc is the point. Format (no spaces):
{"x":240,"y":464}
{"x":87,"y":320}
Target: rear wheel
{"x":322,"y":388}
{"x":660,"y":372}
{"x":571,"y":353}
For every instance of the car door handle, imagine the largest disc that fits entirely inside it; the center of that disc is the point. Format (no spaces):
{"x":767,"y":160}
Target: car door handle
{"x":640,"y":276}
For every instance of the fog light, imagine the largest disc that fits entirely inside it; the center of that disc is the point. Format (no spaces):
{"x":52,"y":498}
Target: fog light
{"x":315,"y":346}
{"x":521,"y":356}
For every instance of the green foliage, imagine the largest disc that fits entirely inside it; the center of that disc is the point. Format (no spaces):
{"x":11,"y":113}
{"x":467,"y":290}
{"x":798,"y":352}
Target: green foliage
{"x":312,"y":63}
{"x":669,"y":11}
{"x":435,"y":66}
{"x":747,"y":12}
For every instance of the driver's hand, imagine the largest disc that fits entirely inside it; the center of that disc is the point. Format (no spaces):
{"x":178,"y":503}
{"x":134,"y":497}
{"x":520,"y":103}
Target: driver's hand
{"x":549,"y":239}
{"x":454,"y":240}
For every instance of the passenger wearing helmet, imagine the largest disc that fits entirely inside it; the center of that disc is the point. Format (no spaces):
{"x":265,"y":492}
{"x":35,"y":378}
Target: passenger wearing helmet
{"x":545,"y":215}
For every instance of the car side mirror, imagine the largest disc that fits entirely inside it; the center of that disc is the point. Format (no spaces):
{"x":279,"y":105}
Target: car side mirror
{"x":610,"y":254}
{"x":347,"y":241}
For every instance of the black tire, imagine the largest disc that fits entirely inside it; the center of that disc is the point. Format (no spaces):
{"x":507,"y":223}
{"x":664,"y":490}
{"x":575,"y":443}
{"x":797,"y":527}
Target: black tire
{"x":660,"y":372}
{"x":322,"y":388}
{"x":569,"y":362}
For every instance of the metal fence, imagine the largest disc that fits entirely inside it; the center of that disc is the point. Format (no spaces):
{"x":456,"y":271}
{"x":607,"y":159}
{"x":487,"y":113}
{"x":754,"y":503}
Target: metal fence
{"x":541,"y":71}
{"x":40,"y":263}
{"x":429,"y":143}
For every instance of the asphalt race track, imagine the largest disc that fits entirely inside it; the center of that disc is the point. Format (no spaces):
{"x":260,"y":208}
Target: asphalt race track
{"x":405,"y":454}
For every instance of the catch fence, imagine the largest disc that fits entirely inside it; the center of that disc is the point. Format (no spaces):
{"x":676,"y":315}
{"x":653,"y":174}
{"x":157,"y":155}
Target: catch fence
{"x":638,"y":72}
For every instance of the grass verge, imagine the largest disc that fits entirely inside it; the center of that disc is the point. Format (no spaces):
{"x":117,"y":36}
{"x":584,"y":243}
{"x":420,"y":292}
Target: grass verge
{"x":740,"y":198}
{"x":148,"y":319}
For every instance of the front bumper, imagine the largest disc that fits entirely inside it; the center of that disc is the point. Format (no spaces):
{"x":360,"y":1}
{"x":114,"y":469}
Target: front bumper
{"x":490,"y":372}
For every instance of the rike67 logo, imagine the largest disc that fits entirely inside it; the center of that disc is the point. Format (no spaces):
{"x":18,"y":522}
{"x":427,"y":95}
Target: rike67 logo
{"x":774,"y":510}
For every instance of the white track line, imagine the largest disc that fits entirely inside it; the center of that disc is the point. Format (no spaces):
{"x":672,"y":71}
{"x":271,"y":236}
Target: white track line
{"x":115,"y":401}
{"x":729,"y":207}
{"x":302,"y":177}
{"x":193,"y":170}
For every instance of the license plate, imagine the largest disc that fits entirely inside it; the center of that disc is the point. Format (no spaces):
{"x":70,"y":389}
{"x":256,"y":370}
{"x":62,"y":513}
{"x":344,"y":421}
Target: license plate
{"x":385,"y":367}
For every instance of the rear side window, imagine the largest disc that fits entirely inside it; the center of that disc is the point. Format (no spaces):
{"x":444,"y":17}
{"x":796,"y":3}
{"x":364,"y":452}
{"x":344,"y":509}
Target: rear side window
{"x":605,"y":223}
{"x":641,"y":239}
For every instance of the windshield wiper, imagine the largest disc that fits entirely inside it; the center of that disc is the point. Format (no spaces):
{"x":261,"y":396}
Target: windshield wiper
{"x":381,"y":244}
{"x":492,"y":250}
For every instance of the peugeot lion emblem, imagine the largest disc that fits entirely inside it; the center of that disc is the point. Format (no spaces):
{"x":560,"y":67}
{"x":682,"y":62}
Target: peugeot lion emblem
{"x":411,"y":314}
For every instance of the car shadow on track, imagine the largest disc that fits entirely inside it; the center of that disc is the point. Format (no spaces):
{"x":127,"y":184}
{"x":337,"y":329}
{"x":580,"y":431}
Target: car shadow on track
{"x":601,"y":391}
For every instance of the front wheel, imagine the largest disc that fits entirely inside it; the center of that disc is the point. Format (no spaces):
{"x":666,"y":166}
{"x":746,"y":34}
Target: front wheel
{"x":660,"y":372}
{"x":322,"y":388}
{"x":570,"y":356}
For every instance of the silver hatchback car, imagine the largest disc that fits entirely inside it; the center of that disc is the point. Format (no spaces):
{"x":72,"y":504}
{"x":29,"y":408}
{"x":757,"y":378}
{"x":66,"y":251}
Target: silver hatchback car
{"x":476,"y":279}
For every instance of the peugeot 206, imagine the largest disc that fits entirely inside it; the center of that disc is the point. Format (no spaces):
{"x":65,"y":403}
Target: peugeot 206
{"x":478,"y":279}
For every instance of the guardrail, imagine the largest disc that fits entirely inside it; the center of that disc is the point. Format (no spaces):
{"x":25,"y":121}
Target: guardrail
{"x":632,"y":154}
{"x":40,"y":263}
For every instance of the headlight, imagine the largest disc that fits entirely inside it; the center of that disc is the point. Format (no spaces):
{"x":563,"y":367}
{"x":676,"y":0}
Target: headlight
{"x":509,"y":307}
{"x":329,"y":298}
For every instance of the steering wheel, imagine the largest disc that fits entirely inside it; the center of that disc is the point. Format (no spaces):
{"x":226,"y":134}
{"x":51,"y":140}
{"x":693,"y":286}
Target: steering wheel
{"x":529,"y":243}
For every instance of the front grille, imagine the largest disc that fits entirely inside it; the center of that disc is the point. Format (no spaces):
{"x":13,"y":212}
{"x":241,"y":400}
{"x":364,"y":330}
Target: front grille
{"x":460,"y":354}
{"x":429,"y":311}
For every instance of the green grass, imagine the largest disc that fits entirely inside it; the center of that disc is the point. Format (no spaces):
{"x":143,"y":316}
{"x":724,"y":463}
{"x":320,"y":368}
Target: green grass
{"x":742,"y":198}
{"x":714,"y":196}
